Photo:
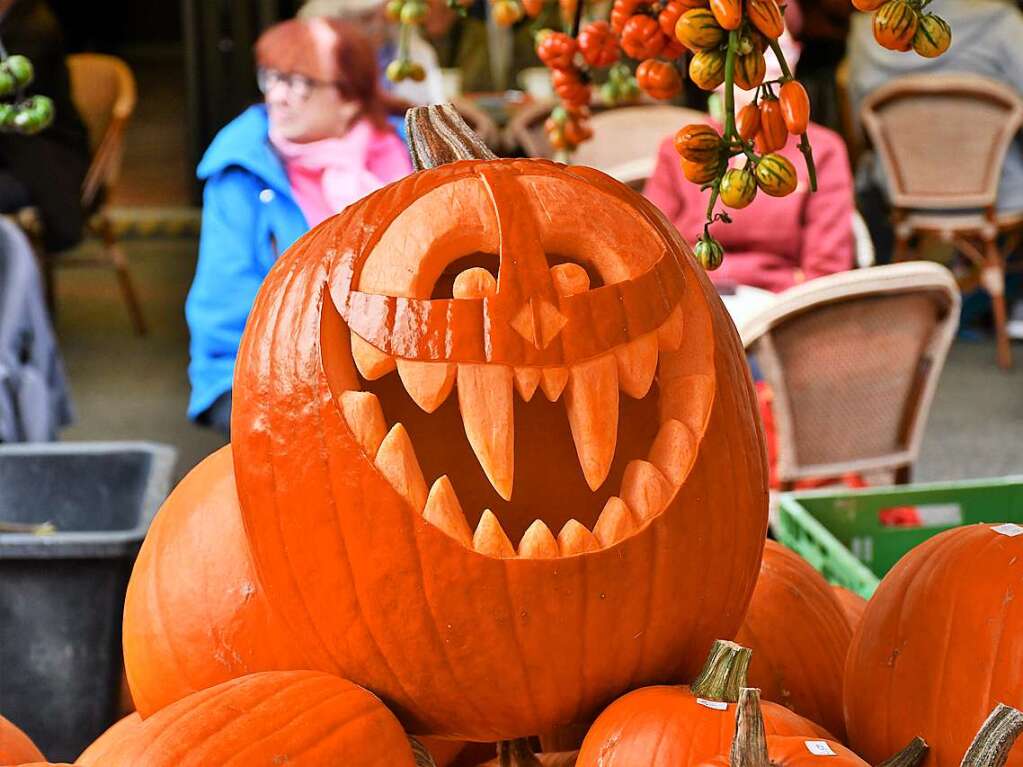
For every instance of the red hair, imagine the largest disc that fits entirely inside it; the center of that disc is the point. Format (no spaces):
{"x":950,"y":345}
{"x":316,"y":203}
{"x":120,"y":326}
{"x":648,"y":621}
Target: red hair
{"x":329,"y":50}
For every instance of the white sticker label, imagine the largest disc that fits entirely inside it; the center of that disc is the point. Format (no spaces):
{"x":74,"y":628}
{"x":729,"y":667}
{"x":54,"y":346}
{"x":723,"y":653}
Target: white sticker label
{"x":819,"y":748}
{"x":717,"y":705}
{"x":1009,"y":530}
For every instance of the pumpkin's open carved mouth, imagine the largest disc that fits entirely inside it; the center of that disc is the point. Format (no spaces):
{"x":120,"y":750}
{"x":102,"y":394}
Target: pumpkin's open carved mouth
{"x":491,"y":431}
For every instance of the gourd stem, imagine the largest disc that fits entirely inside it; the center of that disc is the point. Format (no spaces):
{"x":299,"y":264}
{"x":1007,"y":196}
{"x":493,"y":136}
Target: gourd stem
{"x":749,"y":747}
{"x":996,"y":737}
{"x":516,"y":753}
{"x":804,"y":140}
{"x":422,"y":756}
{"x":724,"y":673}
{"x":438,"y":135}
{"x":733,"y":45}
{"x":911,"y":756}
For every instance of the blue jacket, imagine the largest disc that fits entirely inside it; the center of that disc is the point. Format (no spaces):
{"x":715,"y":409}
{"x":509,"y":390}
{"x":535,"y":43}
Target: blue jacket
{"x":249,"y":218}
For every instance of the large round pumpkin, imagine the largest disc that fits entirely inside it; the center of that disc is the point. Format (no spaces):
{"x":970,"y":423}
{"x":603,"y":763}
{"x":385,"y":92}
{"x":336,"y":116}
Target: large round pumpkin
{"x":799,"y":635}
{"x":496,"y":445}
{"x":117,"y":732}
{"x":939,"y":645}
{"x":15,"y":746}
{"x":297,"y":718}
{"x":853,"y":605}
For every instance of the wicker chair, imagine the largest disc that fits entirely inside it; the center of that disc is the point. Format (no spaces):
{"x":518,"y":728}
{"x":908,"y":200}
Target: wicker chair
{"x":942,"y":140}
{"x":853,"y":360}
{"x":103,"y":90}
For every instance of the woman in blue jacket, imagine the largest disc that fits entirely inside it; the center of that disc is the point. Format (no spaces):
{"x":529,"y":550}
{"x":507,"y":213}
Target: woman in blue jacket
{"x":320,"y":142}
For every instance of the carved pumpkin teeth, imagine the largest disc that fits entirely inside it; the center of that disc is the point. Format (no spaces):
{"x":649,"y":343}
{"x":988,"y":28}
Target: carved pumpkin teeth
{"x":615,"y":523}
{"x":637,"y":365}
{"x":396,"y":460}
{"x":490,"y":538}
{"x":591,"y":400}
{"x":538,"y":542}
{"x":444,"y":512}
{"x":365,"y":418}
{"x":485,"y":401}
{"x":552,"y":382}
{"x":526,"y":381}
{"x":672,"y":451}
{"x":574,"y":538}
{"x":669,"y":335}
{"x":645,"y":490}
{"x":427,"y":383}
{"x":370,"y":361}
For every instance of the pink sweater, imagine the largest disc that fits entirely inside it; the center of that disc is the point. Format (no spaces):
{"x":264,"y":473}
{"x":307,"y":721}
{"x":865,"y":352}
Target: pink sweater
{"x":775,"y":242}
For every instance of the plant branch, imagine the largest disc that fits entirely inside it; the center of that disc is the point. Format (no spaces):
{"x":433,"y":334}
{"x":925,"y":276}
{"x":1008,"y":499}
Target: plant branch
{"x":577,"y":22}
{"x":804,"y":140}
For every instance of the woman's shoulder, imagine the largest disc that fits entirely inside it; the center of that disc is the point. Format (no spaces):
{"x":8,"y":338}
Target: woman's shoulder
{"x":242,"y":142}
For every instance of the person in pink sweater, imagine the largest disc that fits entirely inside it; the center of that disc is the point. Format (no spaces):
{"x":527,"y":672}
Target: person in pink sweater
{"x":775,"y":242}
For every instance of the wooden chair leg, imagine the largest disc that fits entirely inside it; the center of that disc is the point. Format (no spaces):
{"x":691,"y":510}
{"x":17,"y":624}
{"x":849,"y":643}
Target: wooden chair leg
{"x":119,"y":262}
{"x":993,"y":279}
{"x":904,"y":475}
{"x":901,"y":251}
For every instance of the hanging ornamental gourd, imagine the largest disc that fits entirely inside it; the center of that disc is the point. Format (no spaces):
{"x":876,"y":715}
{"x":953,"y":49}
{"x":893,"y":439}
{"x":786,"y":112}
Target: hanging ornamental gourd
{"x":495,"y":444}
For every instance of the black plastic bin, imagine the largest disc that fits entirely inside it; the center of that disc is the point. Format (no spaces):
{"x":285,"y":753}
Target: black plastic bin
{"x":62,"y":595}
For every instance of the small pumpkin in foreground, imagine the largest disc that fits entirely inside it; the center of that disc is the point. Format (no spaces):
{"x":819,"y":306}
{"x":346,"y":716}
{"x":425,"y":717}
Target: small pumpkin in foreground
{"x":665,"y":726}
{"x":938,"y":646}
{"x":799,"y":636}
{"x":15,"y":746}
{"x":505,"y":388}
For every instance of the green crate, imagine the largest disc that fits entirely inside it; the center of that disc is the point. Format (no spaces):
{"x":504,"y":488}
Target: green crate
{"x":841,"y":534}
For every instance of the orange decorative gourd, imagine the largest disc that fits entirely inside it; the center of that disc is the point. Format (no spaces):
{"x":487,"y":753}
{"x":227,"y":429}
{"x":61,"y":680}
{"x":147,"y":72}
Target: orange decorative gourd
{"x":698,"y":142}
{"x":707,"y":69}
{"x":598,"y":44}
{"x":496,"y":445}
{"x":556,"y":50}
{"x":776,"y":175}
{"x":666,"y":726}
{"x":799,"y":636}
{"x":15,"y":746}
{"x":300,"y":718}
{"x":773,"y":134}
{"x":795,"y":106}
{"x":895,"y":25}
{"x":766,"y":16}
{"x":660,"y":79}
{"x":642,"y":37}
{"x":750,"y":70}
{"x":853,"y":605}
{"x":747,"y":121}
{"x":117,"y":732}
{"x":727,"y":12}
{"x":939,"y":645}
{"x":698,"y":30}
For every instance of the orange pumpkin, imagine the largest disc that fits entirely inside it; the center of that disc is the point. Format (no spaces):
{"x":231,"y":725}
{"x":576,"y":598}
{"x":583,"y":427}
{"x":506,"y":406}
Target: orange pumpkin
{"x":570,"y":87}
{"x":939,"y":645}
{"x":799,"y":636}
{"x":359,"y":492}
{"x":556,"y":50}
{"x":642,"y":38}
{"x":853,"y":605}
{"x":598,"y":44}
{"x":124,"y":728}
{"x":659,"y":79}
{"x":278,"y":717}
{"x":15,"y":746}
{"x":666,"y":726}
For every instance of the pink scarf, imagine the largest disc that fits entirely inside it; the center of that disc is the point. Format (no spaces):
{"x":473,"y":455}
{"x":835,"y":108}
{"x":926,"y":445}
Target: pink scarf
{"x":329,"y":174}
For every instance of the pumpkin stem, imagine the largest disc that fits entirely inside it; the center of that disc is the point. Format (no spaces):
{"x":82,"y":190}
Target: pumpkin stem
{"x":422,"y":756}
{"x":910,"y":756}
{"x":996,"y":737}
{"x":516,"y":753}
{"x":724,"y":673}
{"x":438,"y":135}
{"x":749,"y":747}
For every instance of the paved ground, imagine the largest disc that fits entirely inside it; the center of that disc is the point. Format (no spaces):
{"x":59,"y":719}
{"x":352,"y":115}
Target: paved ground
{"x":127,"y":387}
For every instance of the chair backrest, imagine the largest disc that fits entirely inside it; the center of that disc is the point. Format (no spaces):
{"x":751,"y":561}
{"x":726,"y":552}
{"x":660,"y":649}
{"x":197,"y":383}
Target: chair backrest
{"x":103,"y":90}
{"x":853,"y":360}
{"x":942,"y":138}
{"x":865,"y":255}
{"x":623,"y":136}
{"x":525,"y":130}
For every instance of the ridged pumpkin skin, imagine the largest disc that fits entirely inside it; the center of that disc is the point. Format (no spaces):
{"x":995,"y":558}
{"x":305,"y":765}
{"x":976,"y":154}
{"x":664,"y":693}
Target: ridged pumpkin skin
{"x":300,"y":718}
{"x":799,"y":636}
{"x":462,"y":643}
{"x":195,"y":614}
{"x":939,"y":646}
{"x":665,"y":726}
{"x":15,"y":746}
{"x":853,"y":605}
{"x":117,"y":732}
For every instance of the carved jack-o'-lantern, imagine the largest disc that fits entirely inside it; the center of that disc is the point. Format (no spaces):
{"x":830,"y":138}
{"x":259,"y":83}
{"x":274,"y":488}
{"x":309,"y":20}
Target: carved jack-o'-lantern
{"x":495,"y":444}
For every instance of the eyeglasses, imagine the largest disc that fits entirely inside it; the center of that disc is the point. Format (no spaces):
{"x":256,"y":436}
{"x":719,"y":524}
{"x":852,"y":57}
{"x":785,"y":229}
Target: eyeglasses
{"x":299,"y":86}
